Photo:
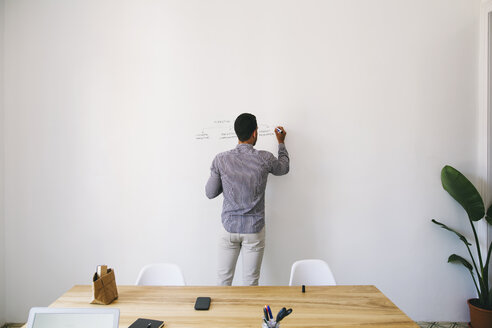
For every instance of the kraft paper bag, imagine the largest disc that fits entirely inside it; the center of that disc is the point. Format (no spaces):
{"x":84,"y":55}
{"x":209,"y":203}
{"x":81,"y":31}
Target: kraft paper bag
{"x":104,"y":288}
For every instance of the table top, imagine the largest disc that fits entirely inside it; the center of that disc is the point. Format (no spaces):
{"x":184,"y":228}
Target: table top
{"x":319,"y":306}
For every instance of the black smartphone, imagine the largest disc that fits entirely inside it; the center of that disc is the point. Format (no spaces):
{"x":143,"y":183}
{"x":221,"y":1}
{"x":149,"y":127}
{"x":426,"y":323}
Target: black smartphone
{"x":202,"y":303}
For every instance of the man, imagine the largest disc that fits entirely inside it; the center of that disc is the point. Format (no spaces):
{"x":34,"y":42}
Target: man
{"x":241,"y":174}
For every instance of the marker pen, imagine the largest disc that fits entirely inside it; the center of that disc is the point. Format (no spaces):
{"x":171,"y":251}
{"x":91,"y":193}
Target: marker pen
{"x":279,"y":130}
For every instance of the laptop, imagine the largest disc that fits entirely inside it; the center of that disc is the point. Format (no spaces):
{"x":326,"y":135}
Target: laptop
{"x":44,"y":317}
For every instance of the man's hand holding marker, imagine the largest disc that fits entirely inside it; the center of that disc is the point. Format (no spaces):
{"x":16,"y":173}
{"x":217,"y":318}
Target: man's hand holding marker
{"x":280,"y":133}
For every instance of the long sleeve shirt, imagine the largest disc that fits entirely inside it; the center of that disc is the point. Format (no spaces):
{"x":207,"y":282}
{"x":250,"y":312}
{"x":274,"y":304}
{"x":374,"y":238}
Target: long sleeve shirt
{"x":241,"y":175}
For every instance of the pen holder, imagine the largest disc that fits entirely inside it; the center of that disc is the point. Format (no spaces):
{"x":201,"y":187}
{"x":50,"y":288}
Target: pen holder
{"x":104,"y":288}
{"x":271,"y":324}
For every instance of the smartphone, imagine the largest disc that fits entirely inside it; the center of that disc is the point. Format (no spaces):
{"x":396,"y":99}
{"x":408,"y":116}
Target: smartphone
{"x":202,"y":303}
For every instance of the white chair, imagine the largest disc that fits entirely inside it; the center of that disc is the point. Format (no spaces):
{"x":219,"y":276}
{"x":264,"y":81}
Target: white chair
{"x":311,"y":272}
{"x":160,"y":274}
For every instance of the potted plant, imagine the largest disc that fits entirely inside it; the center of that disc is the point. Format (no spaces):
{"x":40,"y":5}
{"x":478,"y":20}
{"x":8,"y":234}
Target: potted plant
{"x":463,"y":191}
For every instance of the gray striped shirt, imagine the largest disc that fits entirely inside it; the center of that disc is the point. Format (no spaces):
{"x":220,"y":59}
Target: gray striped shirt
{"x":241,"y":174}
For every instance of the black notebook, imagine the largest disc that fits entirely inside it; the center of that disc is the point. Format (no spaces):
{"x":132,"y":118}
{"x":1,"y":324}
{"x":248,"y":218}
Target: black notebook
{"x":147,"y":323}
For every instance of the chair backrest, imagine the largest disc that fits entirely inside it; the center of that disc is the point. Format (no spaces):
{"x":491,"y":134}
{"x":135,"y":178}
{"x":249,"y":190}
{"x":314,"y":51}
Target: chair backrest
{"x":311,"y":272}
{"x":160,"y":274}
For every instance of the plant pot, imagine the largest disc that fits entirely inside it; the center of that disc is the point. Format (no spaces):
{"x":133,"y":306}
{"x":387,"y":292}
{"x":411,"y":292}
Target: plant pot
{"x":479,"y":318}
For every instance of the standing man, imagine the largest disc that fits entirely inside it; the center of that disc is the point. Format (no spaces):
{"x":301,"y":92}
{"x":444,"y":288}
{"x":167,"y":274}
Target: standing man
{"x":241,"y":174}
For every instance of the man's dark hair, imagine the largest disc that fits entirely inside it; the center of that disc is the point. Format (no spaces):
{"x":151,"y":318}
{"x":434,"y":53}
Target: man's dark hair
{"x":244,"y":126}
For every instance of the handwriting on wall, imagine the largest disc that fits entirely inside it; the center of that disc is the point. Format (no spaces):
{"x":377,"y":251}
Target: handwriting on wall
{"x":224,"y":129}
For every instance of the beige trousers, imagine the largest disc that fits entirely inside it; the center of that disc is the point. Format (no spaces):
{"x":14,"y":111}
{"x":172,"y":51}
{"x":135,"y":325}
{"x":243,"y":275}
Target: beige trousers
{"x":230,"y":244}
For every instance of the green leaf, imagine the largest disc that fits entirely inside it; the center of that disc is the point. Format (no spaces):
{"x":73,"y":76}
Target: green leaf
{"x":460,"y":236}
{"x":489,"y":219}
{"x":463,"y":191}
{"x":488,"y":216}
{"x":458,"y":259}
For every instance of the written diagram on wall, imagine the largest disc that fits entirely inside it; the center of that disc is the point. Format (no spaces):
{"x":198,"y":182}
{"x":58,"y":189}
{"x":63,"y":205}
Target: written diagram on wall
{"x":224,"y":129}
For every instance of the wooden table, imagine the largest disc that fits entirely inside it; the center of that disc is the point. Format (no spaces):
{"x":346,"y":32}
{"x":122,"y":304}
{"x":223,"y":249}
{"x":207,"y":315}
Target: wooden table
{"x":327,"y":306}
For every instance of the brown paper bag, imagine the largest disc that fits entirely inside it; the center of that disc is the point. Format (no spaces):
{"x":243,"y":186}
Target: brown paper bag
{"x":104,"y":288}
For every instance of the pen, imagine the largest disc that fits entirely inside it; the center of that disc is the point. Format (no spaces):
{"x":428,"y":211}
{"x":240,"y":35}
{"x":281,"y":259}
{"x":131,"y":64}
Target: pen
{"x":279,"y":130}
{"x":269,"y":312}
{"x":265,"y":313}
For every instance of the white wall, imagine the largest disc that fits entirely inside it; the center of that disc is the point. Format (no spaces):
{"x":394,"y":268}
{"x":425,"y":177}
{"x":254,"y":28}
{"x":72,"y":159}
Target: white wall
{"x":485,"y":95}
{"x":489,"y":87}
{"x":103,"y":99}
{"x":2,"y":225}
